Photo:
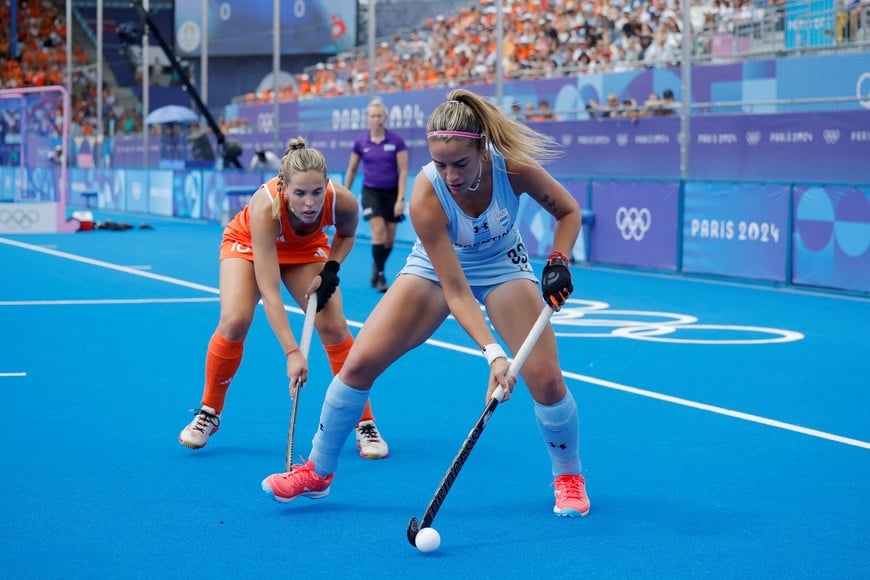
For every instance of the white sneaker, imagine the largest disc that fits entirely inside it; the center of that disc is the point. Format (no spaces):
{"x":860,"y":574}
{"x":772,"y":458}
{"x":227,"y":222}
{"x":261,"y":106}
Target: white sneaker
{"x":371,"y":444}
{"x":196,"y":434}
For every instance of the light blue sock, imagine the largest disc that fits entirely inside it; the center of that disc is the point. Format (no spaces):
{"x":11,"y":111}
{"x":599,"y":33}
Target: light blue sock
{"x":341,"y":409}
{"x":560,"y":427}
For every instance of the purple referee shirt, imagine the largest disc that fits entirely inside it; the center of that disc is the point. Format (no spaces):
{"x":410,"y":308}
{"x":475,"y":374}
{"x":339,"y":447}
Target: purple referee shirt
{"x":380,"y":170}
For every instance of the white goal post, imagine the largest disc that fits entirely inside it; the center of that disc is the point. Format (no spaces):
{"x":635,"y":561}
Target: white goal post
{"x":34,"y":179}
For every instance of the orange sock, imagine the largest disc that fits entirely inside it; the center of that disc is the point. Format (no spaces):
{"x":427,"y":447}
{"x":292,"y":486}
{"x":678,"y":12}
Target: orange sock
{"x":337,"y":354}
{"x":221,"y":363}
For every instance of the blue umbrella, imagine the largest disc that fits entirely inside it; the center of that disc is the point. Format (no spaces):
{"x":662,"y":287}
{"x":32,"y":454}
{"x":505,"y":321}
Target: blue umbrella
{"x":171,"y":114}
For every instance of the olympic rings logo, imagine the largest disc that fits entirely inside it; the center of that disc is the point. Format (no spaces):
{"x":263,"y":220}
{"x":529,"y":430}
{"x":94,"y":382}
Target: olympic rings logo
{"x":595,"y":319}
{"x":581,"y":318}
{"x":19,"y":217}
{"x":633,"y":223}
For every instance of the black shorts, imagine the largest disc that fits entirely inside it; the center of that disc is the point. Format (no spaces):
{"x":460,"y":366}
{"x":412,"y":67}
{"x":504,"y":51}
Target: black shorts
{"x":380,"y":203}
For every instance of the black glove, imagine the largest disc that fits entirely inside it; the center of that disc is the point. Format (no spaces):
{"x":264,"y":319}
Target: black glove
{"x":556,"y":280}
{"x":328,"y":283}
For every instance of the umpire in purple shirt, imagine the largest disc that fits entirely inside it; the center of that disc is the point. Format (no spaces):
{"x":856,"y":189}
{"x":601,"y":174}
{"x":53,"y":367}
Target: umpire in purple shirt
{"x":385,"y":179}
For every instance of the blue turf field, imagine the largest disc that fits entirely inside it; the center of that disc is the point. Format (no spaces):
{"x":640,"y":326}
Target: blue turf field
{"x":725,"y":430}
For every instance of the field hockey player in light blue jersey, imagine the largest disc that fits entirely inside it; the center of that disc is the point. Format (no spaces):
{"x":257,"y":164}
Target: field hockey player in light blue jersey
{"x":469,"y":251}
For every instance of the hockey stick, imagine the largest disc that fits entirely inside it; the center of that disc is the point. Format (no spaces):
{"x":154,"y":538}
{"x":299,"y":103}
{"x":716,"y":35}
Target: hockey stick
{"x":477,"y":430}
{"x":304,"y":347}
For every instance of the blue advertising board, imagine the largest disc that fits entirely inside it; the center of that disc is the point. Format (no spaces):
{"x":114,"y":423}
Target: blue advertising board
{"x":212,"y":195}
{"x":736,"y":229}
{"x":809,"y":23}
{"x":782,"y":147}
{"x":187,"y":194}
{"x":160,"y":192}
{"x":636,"y":223}
{"x":536,"y":224}
{"x":832,"y":237}
{"x":137,"y":190}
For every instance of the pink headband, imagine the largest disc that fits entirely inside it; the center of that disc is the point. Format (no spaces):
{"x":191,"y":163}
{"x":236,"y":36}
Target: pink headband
{"x":454,"y":134}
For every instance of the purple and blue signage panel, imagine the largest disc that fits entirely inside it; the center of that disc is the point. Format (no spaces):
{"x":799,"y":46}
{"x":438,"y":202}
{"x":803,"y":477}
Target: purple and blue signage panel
{"x":736,"y":230}
{"x":636,"y":223}
{"x":212,"y":195}
{"x":160,"y":192}
{"x":80,"y":181}
{"x":112,"y":188}
{"x":187,"y":194}
{"x":616,"y":147}
{"x":9,"y":177}
{"x":107,"y":183}
{"x":783,"y":147}
{"x":832,"y":237}
{"x":43,"y":184}
{"x":536,"y":223}
{"x":137,"y":190}
{"x":22,"y":183}
{"x":242,"y":185}
{"x":127,"y":151}
{"x":536,"y":227}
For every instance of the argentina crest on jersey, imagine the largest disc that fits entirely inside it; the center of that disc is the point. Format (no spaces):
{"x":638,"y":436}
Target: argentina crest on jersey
{"x":499,"y":221}
{"x":504,"y":218}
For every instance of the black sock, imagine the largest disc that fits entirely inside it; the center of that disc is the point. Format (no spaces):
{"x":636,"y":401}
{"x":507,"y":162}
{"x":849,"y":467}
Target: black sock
{"x":379,"y":253}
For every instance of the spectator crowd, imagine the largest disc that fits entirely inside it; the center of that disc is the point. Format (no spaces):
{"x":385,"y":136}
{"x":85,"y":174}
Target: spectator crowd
{"x":542,"y":39}
{"x":38,"y":58}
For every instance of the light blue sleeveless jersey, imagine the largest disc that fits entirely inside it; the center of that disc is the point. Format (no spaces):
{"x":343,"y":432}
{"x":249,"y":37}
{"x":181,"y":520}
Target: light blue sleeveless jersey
{"x":489,"y":247}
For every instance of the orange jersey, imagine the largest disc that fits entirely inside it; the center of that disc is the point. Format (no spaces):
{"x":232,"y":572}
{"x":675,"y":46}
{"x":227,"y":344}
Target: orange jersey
{"x":292,"y":248}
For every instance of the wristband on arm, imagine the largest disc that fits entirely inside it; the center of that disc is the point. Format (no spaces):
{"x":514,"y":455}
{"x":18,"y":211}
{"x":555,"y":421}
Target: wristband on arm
{"x":492,"y":352}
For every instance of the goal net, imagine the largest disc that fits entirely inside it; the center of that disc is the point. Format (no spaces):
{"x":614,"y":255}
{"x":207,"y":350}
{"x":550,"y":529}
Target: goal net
{"x":34,"y":124}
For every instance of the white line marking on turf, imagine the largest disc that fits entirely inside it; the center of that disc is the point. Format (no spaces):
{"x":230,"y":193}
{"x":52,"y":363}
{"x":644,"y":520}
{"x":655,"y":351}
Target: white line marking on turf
{"x":110,"y":301}
{"x":9,"y":375}
{"x":111,"y":266}
{"x":718,"y":410}
{"x":448,"y":346}
{"x":682,"y":402}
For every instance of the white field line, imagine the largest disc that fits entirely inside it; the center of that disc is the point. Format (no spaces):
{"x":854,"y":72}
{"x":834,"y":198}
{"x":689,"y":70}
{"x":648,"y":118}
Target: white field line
{"x":111,"y":301}
{"x":448,"y":346}
{"x":683,"y":402}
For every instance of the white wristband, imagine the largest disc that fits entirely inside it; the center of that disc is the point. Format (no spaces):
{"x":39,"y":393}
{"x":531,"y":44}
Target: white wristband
{"x":492,"y":352}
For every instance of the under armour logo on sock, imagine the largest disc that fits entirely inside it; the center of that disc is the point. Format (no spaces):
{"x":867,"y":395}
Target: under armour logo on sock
{"x":560,"y":445}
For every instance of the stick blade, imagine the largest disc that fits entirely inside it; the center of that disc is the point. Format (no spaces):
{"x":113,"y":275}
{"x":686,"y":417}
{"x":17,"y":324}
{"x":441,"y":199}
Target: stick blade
{"x":413,"y":528}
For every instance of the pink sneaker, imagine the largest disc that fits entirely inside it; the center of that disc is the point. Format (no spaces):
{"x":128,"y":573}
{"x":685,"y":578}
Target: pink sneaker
{"x":302,"y":481}
{"x":571,"y":500}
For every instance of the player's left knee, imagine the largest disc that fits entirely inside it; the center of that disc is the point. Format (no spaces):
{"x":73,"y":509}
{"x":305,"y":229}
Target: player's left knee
{"x":331,"y":329}
{"x":547,"y":389}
